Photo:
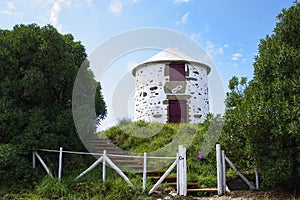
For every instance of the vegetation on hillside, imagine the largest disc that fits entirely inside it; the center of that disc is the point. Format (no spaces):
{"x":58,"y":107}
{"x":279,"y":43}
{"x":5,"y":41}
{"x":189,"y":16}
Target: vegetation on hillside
{"x":38,"y":69}
{"x":263,"y":116}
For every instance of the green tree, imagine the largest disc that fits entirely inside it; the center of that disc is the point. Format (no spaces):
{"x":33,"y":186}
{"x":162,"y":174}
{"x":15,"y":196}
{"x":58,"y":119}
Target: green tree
{"x":265,"y":117}
{"x":38,"y":69}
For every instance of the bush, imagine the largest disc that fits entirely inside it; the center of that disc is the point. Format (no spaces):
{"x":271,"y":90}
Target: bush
{"x":15,"y":170}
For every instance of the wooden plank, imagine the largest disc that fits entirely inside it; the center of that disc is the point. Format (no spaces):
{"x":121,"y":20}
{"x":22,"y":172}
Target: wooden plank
{"x":164,"y":176}
{"x":43,"y":164}
{"x":223,"y":172}
{"x":90,"y":168}
{"x":256,"y":180}
{"x":60,"y":163}
{"x":240,"y":174}
{"x":33,"y":160}
{"x":203,"y":190}
{"x":172,"y":178}
{"x":182,"y":170}
{"x":177,"y":176}
{"x":145,"y":171}
{"x":219,"y":169}
{"x":103,"y":166}
{"x":119,"y":172}
{"x":188,"y":183}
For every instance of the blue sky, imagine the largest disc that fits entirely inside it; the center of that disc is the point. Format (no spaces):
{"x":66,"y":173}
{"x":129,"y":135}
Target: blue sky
{"x":228,"y":30}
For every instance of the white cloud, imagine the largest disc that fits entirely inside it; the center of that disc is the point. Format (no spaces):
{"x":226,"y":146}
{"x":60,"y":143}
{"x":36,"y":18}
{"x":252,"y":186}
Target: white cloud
{"x":9,"y":12}
{"x":10,"y":5}
{"x":213,"y":49}
{"x":115,"y":6}
{"x":196,"y":36}
{"x":236,"y":56}
{"x":209,"y":48}
{"x":135,"y":1}
{"x":55,"y":10}
{"x":181,"y":1}
{"x":10,"y":9}
{"x":226,"y":45}
{"x":90,"y":3}
{"x":184,"y":19}
{"x":220,"y":50}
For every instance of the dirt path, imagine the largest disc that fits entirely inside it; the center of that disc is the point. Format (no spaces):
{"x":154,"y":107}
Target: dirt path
{"x":252,"y":195}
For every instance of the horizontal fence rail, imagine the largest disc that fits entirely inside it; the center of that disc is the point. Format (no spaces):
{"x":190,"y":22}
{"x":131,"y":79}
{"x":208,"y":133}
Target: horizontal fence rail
{"x":104,"y":159}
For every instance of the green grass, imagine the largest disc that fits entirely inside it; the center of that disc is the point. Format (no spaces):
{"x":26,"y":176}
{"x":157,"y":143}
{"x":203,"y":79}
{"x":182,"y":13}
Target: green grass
{"x":129,"y":136}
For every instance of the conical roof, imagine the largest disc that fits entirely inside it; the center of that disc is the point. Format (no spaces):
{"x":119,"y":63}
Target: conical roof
{"x":170,"y":55}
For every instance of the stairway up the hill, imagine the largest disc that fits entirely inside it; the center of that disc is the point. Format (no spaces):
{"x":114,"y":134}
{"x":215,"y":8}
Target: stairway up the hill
{"x":123,"y":161}
{"x":119,"y":157}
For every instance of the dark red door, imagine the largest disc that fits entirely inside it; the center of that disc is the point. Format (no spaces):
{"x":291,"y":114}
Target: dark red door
{"x":177,"y":111}
{"x":177,"y":71}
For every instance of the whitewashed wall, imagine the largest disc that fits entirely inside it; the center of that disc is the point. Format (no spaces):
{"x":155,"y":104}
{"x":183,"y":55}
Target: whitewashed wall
{"x":151,"y":100}
{"x":149,"y":93}
{"x":197,"y":87}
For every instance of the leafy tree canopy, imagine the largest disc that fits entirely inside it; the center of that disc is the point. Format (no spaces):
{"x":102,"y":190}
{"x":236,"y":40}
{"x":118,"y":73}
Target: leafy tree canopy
{"x":38,"y":69}
{"x":263,"y":116}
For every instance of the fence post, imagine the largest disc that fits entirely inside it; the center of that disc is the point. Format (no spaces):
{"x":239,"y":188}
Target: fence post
{"x":33,"y":160}
{"x":145,"y":171}
{"x":177,"y":174}
{"x":219,"y":169}
{"x":223,"y":172}
{"x":256,"y":180}
{"x":104,"y":167}
{"x":60,"y":163}
{"x":182,"y":170}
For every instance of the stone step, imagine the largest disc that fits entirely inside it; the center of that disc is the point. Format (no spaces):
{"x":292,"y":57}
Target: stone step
{"x":190,"y":185}
{"x":212,"y":190}
{"x":126,"y":161}
{"x":171,"y":178}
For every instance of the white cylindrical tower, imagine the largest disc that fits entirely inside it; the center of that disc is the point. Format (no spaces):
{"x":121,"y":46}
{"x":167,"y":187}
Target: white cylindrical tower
{"x":171,"y":87}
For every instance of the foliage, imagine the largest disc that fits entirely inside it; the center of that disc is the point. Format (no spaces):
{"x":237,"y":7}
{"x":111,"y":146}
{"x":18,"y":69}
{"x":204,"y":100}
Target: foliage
{"x":263,"y":117}
{"x":51,"y":188}
{"x":140,"y":137}
{"x":38,"y":69}
{"x":13,"y":166}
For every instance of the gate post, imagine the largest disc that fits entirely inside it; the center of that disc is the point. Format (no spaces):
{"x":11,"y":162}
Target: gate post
{"x":33,"y":160}
{"x":104,"y":166}
{"x":145,"y":171}
{"x":219,"y":170}
{"x":60,"y":163}
{"x":182,"y":170}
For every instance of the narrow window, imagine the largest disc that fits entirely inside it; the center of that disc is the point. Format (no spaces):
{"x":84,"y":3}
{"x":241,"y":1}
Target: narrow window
{"x":177,"y":71}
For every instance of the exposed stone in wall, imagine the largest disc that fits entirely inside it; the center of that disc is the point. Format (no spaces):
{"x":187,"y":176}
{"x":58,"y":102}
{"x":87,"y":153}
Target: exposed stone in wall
{"x":149,"y":94}
{"x":153,"y":89}
{"x":197,"y":88}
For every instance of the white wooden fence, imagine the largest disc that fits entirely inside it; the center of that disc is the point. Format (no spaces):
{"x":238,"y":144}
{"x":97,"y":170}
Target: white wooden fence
{"x":180,"y":162}
{"x":221,"y":172}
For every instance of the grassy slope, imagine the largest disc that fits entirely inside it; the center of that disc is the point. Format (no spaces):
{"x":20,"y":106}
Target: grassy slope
{"x":91,"y":186}
{"x":131,"y":137}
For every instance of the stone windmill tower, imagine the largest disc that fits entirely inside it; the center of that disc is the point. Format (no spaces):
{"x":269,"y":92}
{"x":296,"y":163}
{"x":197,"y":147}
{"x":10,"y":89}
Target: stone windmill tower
{"x":171,"y":87}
